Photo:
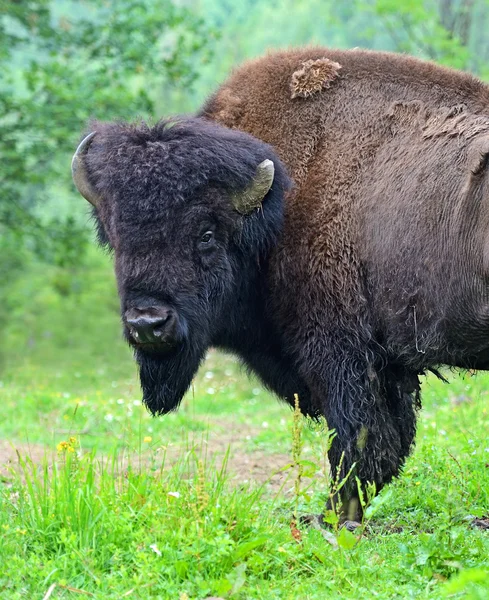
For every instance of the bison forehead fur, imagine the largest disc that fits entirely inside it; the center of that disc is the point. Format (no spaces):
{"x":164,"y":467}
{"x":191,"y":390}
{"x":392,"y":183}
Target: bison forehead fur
{"x":345,"y":288}
{"x":149,"y":172}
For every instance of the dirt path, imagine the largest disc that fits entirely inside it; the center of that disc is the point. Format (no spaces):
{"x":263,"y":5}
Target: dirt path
{"x":243,"y":466}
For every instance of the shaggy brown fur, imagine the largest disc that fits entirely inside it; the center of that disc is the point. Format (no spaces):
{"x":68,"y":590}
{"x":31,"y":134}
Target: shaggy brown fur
{"x":382,"y":267}
{"x":371,"y":269}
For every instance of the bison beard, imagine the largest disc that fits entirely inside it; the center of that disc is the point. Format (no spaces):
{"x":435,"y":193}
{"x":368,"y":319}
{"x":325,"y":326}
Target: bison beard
{"x":166,"y":376}
{"x":164,"y":380}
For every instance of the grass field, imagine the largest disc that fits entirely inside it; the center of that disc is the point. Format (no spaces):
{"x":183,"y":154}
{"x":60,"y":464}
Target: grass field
{"x":99,"y":500}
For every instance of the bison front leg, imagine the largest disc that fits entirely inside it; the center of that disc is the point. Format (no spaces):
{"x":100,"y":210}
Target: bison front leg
{"x":371,"y":440}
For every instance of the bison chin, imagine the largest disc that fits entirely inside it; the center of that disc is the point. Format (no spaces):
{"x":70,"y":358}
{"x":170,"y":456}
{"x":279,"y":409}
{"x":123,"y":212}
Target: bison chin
{"x":165,"y":379}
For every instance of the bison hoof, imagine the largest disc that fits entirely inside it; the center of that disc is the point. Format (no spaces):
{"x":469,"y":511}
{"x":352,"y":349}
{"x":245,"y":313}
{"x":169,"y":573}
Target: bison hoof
{"x":481,"y":523}
{"x":351,"y":525}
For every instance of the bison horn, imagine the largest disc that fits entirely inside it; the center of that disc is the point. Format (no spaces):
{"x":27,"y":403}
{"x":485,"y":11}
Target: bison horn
{"x":250,"y":198}
{"x":79,"y":171}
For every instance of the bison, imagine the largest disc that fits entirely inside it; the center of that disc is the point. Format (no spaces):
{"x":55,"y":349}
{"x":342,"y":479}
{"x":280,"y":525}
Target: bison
{"x":325,"y":217}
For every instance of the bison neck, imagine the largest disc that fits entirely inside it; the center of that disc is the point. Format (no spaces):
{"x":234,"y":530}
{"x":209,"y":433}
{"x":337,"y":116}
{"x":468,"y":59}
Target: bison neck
{"x":249,"y":332}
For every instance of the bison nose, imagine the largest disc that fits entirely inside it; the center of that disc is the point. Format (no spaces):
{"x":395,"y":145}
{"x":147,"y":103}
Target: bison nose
{"x":152,"y":325}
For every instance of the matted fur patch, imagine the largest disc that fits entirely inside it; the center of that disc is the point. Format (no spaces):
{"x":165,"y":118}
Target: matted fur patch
{"x":454,"y":121}
{"x":313,"y":76}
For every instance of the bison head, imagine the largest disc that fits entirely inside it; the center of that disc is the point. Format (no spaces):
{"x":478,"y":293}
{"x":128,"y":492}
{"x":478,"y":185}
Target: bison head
{"x":190,"y":210}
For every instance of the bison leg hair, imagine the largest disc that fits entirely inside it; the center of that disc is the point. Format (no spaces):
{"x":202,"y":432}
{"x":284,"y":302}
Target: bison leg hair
{"x":402,"y":391}
{"x":372,"y":409}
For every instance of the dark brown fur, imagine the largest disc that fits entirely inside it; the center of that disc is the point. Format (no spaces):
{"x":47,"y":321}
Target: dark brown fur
{"x":381,"y":271}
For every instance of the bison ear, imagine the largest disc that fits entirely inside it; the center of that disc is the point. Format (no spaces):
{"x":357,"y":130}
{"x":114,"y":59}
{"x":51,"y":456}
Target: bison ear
{"x":252,"y":196}
{"x":79,"y":171}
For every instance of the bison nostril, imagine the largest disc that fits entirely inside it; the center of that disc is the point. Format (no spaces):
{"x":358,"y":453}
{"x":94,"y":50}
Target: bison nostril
{"x":151,"y":325}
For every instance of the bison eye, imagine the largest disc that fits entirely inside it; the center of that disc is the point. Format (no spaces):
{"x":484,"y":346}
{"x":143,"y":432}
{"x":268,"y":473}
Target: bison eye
{"x":207,"y":237}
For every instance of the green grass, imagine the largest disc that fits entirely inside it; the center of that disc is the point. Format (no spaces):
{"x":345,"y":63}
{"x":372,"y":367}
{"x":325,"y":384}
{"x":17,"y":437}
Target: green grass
{"x":157,"y":508}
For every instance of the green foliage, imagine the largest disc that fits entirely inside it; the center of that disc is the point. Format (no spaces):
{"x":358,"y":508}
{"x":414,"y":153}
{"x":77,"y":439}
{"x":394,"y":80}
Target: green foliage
{"x":64,"y":62}
{"x":451,"y":32}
